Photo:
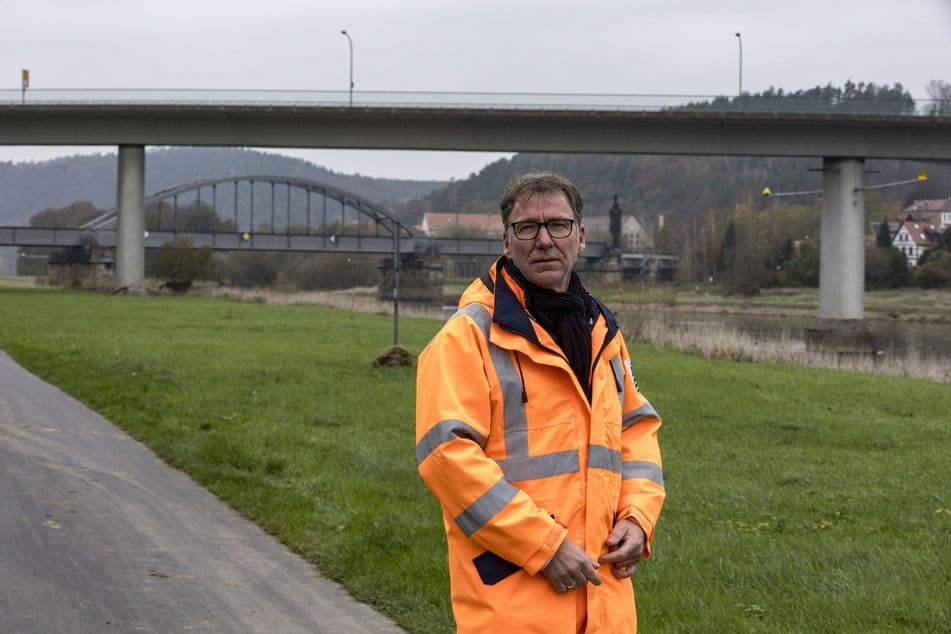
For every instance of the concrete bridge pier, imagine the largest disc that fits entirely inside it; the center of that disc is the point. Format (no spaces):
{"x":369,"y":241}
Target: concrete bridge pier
{"x":841,"y":322}
{"x":130,"y":230}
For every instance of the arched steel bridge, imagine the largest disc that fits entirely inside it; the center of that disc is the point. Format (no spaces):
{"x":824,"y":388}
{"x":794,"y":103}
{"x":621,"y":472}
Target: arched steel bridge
{"x":264,"y":213}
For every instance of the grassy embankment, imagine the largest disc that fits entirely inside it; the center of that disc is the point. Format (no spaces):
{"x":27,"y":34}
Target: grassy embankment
{"x":799,"y":499}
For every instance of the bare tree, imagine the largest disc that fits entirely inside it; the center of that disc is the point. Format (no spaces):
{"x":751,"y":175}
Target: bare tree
{"x":939,"y":92}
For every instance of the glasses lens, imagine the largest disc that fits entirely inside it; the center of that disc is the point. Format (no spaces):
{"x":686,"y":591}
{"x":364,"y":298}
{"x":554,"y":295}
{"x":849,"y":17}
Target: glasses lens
{"x":525,"y":230}
{"x":558,"y":228}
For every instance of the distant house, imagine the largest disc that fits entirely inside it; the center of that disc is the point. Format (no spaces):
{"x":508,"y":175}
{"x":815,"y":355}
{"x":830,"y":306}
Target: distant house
{"x":917,"y":229}
{"x":452,"y":225}
{"x":934,"y":211}
{"x":913,"y":237}
{"x":633,"y":235}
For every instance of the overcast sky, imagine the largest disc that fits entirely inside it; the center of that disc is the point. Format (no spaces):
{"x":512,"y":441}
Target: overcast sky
{"x":672,"y":47}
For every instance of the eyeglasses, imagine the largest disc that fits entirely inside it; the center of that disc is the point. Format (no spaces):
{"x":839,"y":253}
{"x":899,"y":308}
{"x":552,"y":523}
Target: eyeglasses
{"x":557,"y":228}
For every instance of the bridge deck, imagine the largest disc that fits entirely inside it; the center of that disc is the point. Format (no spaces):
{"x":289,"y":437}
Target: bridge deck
{"x":593,"y":130}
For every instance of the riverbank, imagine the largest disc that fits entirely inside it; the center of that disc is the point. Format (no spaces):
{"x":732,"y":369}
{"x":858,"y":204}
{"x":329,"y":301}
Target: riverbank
{"x":643,"y":319}
{"x":907,"y":304}
{"x":644,"y":316}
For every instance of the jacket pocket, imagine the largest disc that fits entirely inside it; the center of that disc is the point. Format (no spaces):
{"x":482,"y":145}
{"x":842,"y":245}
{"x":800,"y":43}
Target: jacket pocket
{"x":493,"y":569}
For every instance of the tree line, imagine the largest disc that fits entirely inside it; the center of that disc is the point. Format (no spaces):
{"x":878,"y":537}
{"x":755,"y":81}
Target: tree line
{"x":741,"y":249}
{"x":745,"y":249}
{"x":179,"y":264}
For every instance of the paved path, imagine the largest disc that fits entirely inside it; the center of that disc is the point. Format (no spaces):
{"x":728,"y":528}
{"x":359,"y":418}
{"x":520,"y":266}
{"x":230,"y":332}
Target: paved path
{"x":98,"y":535}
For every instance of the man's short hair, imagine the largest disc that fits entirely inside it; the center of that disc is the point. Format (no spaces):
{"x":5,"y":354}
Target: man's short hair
{"x":522,"y":188}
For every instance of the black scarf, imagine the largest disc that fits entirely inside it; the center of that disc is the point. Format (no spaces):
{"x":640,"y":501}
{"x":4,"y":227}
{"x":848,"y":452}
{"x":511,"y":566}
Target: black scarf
{"x":566,"y":316}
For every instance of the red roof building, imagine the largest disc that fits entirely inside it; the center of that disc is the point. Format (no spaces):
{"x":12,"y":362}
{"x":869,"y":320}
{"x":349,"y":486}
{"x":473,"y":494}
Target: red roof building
{"x":442,"y":225}
{"x":935,"y":211}
{"x":913,"y":237}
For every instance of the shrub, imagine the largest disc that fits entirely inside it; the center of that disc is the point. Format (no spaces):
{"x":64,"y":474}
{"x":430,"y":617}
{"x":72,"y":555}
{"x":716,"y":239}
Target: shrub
{"x":180,"y":263}
{"x":885,"y":267}
{"x":935,"y":272}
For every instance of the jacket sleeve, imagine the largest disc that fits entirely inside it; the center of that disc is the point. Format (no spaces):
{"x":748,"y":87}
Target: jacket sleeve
{"x":454,"y":412}
{"x":642,"y":485}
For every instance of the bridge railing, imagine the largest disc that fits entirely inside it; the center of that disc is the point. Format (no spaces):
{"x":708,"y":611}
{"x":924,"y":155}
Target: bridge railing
{"x":475,"y":100}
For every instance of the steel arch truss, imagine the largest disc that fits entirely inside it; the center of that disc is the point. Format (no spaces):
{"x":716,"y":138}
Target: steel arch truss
{"x":265,"y":213}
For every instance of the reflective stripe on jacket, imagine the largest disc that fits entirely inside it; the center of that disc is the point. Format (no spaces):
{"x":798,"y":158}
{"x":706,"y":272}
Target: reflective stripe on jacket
{"x":519,"y":459}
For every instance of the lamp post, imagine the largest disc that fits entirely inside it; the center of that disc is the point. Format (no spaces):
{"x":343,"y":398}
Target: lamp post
{"x":351,"y":64}
{"x":739,"y":38}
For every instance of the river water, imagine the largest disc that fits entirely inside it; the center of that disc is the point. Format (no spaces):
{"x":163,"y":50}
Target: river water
{"x":898,"y":338}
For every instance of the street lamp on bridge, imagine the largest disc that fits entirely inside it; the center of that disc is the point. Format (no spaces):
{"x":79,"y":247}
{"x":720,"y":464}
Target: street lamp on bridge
{"x":739,"y":39}
{"x":922,"y":176}
{"x":344,"y":32}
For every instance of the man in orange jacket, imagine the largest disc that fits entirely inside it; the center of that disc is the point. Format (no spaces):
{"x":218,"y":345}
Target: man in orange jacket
{"x":533,"y":435}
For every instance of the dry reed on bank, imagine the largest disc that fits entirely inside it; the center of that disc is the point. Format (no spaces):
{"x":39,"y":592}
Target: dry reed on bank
{"x":723,"y":342}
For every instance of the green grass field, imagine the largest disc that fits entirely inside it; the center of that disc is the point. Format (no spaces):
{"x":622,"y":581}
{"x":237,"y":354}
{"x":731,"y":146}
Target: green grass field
{"x":799,"y":500}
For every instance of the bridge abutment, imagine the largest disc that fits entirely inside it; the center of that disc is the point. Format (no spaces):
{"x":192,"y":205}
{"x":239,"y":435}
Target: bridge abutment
{"x":130,"y":229}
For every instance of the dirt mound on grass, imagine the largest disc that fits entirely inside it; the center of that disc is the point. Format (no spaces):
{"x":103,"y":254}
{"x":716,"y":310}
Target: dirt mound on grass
{"x":395,"y":357}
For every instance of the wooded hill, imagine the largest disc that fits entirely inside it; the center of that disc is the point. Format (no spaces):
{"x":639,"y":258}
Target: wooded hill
{"x":32,"y":187}
{"x":676,"y":186}
{"x":648,"y":186}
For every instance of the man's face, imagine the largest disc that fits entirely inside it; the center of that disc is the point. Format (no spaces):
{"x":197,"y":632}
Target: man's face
{"x":544,"y":260}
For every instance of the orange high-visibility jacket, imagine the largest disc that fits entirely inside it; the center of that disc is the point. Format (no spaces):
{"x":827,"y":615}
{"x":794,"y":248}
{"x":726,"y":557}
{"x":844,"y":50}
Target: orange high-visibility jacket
{"x":519,"y":460}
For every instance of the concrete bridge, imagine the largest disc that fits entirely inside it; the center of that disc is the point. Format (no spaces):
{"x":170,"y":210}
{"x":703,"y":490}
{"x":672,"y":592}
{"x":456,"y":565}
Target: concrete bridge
{"x":843,"y":140}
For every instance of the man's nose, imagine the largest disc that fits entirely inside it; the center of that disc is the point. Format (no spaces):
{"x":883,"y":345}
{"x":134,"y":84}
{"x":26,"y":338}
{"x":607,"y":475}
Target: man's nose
{"x":543,"y":238}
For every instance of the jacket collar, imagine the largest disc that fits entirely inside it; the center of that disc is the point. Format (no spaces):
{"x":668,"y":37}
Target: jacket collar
{"x":510,"y":311}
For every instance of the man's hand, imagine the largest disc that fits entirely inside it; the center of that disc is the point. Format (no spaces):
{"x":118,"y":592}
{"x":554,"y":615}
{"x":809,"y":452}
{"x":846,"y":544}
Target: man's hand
{"x":625,"y":546}
{"x":571,"y":567}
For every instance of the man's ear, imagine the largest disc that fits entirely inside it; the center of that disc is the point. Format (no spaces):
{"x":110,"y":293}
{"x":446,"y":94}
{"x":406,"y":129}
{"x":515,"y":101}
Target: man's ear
{"x":580,"y":239}
{"x":505,"y":243}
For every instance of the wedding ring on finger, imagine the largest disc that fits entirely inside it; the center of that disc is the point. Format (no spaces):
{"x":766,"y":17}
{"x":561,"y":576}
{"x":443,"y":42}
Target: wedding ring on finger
{"x":571,"y":585}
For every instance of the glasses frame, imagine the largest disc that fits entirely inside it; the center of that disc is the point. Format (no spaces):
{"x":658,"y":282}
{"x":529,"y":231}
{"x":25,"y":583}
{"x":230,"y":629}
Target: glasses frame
{"x":538,"y":227}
